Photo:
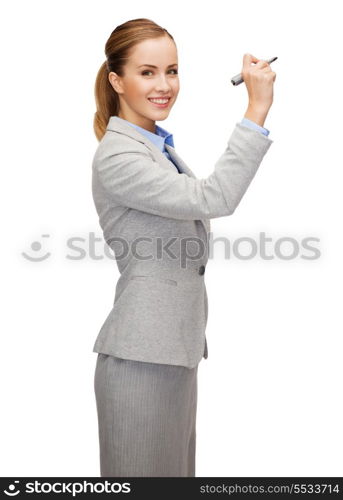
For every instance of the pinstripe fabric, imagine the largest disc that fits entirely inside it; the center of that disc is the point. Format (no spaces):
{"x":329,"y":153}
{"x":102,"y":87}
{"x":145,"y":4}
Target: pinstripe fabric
{"x":146,"y":418}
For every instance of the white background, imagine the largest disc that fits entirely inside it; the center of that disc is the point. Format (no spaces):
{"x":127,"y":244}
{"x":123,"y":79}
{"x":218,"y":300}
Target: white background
{"x":270,"y":393}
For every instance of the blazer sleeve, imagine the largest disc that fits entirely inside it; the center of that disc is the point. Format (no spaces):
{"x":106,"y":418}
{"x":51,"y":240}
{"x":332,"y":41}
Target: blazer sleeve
{"x":132,"y":178}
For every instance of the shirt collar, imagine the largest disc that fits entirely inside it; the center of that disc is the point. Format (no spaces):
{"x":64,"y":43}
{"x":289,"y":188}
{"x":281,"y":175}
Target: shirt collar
{"x":161,"y":136}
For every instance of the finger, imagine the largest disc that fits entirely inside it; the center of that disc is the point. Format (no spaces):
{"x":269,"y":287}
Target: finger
{"x":248,"y":59}
{"x":266,"y":69}
{"x":261,"y":64}
{"x":270,"y":75}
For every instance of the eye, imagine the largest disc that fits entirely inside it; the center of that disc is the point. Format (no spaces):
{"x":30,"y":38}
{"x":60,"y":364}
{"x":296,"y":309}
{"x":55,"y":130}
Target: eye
{"x":148,"y":71}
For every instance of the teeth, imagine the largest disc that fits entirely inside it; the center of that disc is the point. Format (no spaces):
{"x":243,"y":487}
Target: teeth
{"x":159,"y":101}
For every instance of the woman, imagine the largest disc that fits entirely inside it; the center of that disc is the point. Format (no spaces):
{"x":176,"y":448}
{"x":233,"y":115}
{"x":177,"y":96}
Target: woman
{"x":155,"y":215}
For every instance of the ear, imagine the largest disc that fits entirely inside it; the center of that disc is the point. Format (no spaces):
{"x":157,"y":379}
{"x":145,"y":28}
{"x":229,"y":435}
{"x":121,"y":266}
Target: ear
{"x":115,"y":81}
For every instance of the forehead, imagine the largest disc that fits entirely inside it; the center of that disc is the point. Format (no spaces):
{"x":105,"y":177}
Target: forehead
{"x":159,"y":51}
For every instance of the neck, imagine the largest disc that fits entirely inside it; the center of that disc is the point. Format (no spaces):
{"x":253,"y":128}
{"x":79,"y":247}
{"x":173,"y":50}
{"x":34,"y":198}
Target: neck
{"x":140,"y":121}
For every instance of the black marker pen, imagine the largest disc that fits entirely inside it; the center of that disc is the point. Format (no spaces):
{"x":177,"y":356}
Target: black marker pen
{"x":236,"y":80}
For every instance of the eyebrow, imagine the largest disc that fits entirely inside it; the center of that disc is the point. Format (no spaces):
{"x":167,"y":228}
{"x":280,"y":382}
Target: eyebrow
{"x":152,"y":66}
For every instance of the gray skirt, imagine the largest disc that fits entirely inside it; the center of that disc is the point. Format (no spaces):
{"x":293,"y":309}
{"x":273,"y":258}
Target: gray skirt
{"x":146,"y":418}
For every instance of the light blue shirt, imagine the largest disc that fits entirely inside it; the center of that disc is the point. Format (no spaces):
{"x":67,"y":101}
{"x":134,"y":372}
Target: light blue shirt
{"x":162,"y":136}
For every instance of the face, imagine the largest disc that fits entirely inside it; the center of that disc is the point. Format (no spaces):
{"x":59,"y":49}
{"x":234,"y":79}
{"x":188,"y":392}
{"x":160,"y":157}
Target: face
{"x":151,"y":72}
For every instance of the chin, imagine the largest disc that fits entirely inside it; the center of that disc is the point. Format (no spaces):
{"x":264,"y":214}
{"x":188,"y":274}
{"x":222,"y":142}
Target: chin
{"x":162,"y":117}
{"x":162,"y":112}
{"x":159,"y":116}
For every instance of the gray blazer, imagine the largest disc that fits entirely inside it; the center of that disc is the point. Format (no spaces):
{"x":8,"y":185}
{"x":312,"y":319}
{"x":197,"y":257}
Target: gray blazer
{"x":155,"y":218}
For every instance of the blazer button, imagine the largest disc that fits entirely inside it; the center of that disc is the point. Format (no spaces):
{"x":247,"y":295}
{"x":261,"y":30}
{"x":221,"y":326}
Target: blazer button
{"x":201,"y":269}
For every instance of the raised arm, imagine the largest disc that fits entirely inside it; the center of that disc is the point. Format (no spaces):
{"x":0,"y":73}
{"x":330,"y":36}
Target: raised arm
{"x":133,"y":179}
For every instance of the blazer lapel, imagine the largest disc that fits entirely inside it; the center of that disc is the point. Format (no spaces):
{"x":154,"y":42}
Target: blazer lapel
{"x":186,"y":170}
{"x":123,"y":128}
{"x":179,"y":162}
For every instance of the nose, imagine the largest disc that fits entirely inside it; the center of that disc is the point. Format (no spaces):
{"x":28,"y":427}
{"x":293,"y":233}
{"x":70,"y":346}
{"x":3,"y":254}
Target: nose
{"x":162,"y":84}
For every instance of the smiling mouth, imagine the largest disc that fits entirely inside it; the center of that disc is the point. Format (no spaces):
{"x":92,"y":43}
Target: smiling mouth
{"x":159,"y":98}
{"x":160,"y":102}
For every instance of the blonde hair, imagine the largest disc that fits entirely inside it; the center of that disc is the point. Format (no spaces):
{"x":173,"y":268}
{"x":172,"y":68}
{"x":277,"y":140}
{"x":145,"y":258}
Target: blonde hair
{"x":117,"y":51}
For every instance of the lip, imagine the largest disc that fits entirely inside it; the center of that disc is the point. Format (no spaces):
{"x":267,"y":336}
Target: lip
{"x":160,"y":105}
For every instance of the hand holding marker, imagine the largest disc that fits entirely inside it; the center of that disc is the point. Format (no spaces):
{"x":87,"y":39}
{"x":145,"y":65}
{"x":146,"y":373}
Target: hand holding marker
{"x":259,"y":81}
{"x":236,"y":80}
